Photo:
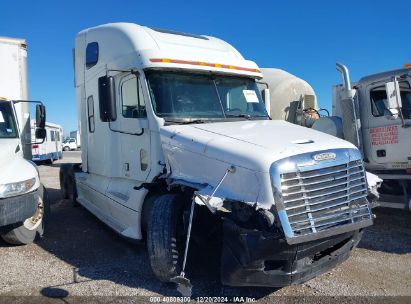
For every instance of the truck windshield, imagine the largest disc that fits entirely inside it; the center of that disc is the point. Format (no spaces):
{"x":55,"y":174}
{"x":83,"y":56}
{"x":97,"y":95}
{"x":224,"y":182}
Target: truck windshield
{"x":197,"y":96}
{"x":8,"y":127}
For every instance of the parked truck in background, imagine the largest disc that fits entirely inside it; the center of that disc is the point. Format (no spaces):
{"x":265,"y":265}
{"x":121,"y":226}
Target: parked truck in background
{"x":51,"y":149}
{"x":69,"y":144}
{"x":362,"y":114}
{"x":171,"y":120}
{"x":23,"y":205}
{"x":76,"y":136}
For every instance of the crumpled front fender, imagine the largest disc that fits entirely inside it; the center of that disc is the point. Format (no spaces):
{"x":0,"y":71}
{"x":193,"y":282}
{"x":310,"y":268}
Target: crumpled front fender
{"x":191,"y":167}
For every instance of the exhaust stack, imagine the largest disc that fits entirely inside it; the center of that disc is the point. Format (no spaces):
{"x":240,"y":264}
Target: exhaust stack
{"x":349,"y":108}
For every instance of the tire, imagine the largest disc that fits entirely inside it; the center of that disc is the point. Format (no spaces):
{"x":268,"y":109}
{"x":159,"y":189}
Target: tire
{"x":166,"y":236}
{"x":63,"y":181}
{"x":67,"y":183}
{"x":50,"y":161}
{"x":66,"y":148}
{"x":20,"y":234}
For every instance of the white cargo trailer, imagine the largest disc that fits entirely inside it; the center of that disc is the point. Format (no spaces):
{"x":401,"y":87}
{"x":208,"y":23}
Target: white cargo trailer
{"x":173,"y":124}
{"x":51,"y":149}
{"x":23,"y":205}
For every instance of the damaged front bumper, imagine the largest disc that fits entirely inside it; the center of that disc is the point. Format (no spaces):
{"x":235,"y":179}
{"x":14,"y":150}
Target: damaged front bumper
{"x":255,"y":258}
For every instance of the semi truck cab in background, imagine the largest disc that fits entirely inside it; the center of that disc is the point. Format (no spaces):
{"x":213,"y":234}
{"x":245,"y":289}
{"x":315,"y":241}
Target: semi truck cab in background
{"x":377,"y":109}
{"x":23,"y":205}
{"x":171,"y":120}
{"x":374,"y":114}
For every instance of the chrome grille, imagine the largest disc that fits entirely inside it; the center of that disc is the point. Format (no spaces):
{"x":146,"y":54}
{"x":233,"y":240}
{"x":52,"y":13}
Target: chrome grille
{"x":324,"y":198}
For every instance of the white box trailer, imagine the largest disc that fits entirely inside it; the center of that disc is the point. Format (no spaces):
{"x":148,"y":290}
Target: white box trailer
{"x":51,"y":149}
{"x":23,"y":207}
{"x":173,"y":124}
{"x":14,"y":86}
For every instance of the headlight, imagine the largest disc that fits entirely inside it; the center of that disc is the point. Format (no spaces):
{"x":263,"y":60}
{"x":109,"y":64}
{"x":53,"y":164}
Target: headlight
{"x":14,"y":189}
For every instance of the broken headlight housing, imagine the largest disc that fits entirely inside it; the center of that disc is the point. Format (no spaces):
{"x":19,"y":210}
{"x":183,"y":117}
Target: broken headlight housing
{"x":247,"y":216}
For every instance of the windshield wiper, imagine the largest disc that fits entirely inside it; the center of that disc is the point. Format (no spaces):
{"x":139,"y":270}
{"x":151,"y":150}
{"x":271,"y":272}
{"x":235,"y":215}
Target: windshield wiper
{"x":246,"y":116}
{"x":185,"y":122}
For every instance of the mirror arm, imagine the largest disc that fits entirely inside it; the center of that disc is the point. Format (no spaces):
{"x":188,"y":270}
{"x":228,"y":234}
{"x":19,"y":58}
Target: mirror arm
{"x":31,"y":101}
{"x":38,"y":142}
{"x":134,"y":72}
{"x":399,"y":109}
{"x":122,"y":132}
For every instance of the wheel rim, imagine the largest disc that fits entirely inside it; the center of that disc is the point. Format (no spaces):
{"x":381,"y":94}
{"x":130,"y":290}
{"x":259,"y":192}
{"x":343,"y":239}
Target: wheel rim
{"x":34,"y":222}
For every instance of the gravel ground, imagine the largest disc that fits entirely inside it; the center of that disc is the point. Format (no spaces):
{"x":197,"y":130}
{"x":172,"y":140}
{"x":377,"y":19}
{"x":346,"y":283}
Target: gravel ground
{"x":110,"y":266}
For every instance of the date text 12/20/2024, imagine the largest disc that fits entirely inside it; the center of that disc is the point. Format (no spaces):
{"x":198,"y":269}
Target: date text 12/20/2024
{"x":202,"y":299}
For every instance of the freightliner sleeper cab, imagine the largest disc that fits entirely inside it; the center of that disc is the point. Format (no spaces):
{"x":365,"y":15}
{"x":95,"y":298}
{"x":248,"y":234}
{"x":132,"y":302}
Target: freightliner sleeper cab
{"x":168,"y":119}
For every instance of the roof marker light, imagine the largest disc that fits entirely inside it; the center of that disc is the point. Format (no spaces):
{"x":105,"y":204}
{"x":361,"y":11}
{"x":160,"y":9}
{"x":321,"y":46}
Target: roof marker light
{"x":200,"y":63}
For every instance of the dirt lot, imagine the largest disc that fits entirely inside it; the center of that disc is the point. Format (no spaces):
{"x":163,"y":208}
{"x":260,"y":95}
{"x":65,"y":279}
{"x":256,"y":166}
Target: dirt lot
{"x":110,"y":266}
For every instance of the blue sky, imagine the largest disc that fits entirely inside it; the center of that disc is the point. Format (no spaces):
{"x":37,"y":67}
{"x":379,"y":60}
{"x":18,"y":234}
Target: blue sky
{"x":305,"y":38}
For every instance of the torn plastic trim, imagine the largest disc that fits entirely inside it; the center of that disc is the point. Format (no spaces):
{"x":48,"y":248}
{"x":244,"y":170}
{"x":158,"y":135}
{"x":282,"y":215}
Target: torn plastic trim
{"x":373,"y":184}
{"x":204,"y":194}
{"x":181,"y":182}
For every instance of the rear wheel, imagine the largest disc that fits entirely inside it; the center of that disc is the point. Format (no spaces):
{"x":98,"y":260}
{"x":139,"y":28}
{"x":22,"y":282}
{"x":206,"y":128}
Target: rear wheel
{"x":26,"y":232}
{"x":68,"y":184}
{"x":166,"y":235}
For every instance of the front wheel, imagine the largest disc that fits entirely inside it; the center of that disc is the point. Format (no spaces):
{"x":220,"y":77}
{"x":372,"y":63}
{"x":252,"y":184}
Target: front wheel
{"x":26,"y":232}
{"x":66,"y":149}
{"x":166,"y":236}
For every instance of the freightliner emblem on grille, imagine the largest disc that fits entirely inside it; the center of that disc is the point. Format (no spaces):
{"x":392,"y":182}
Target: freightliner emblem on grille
{"x":324,"y":156}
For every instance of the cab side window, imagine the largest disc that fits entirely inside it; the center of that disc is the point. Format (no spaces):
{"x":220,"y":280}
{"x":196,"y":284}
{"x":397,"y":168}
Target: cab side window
{"x":52,"y":136}
{"x":378,"y":101}
{"x":378,"y":97}
{"x":91,"y":54}
{"x":133,"y":105}
{"x":406,"y":100}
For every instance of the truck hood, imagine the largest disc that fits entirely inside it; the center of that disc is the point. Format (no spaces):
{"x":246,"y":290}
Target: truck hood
{"x":13,"y":167}
{"x":251,"y":144}
{"x":200,"y":154}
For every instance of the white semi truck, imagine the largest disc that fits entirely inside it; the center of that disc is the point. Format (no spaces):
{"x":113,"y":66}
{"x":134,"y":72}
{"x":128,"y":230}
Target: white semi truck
{"x":362,"y":114}
{"x":23,"y":204}
{"x":176,"y":138}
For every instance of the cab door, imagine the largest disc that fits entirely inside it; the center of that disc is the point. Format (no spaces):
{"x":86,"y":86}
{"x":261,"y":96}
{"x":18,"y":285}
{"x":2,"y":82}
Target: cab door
{"x":134,"y":136}
{"x":387,"y":139}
